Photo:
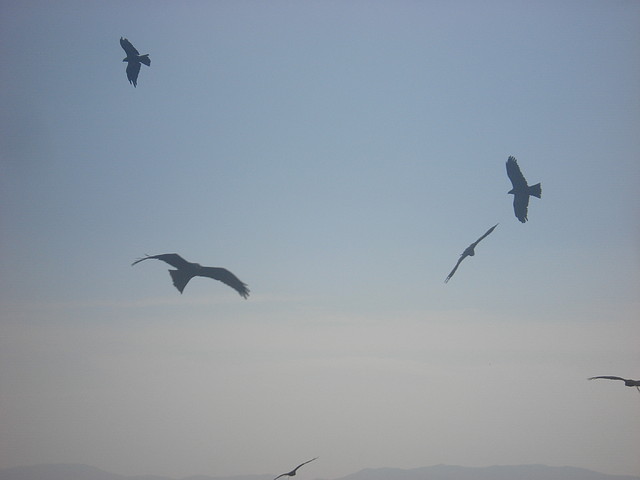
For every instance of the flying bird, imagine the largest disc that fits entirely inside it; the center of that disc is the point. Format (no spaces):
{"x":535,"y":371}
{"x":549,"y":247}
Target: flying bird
{"x":468,"y":252}
{"x":187,"y":270}
{"x":133,"y":59}
{"x":627,"y":382}
{"x":292,"y":473}
{"x":521,"y":191}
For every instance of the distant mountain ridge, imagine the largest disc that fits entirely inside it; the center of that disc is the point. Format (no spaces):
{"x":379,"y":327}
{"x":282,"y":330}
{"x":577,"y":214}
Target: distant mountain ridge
{"x":436,"y":472}
{"x":497,"y":472}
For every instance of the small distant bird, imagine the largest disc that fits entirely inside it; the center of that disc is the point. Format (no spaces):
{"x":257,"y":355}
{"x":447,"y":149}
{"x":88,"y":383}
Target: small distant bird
{"x":292,"y":473}
{"x":468,"y":252}
{"x":521,"y":190}
{"x":133,"y":59}
{"x":627,"y":382}
{"x":187,"y":270}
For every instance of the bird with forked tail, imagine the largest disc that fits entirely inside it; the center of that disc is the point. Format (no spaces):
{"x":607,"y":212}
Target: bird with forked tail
{"x":133,"y":59}
{"x":521,"y":191}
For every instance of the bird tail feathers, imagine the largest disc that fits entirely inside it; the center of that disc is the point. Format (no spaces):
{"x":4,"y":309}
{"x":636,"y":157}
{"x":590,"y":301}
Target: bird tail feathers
{"x":535,"y":190}
{"x":180,"y":279}
{"x":145,"y":59}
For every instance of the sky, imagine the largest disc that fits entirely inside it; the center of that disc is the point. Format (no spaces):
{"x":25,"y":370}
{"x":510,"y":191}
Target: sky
{"x":337,"y":156}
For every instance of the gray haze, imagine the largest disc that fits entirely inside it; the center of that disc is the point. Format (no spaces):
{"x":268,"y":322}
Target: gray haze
{"x":436,"y":472}
{"x":337,"y":156}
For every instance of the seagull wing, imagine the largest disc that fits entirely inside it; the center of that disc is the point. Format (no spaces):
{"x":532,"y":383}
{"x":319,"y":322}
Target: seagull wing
{"x":308,"y":461}
{"x":608,"y":377}
{"x":483,"y":236}
{"x":462,"y":257}
{"x":226,"y":277}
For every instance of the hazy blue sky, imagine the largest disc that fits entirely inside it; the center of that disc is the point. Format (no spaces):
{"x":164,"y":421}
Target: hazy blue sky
{"x":337,"y":156}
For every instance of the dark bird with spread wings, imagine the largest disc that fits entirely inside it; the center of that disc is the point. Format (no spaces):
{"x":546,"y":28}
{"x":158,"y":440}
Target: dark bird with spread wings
{"x":521,"y":191}
{"x":627,"y":382}
{"x":187,"y":270}
{"x":468,"y":252}
{"x":292,"y":473}
{"x":133,"y":59}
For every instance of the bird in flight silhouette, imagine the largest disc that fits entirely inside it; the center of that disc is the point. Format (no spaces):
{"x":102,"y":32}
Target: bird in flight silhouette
{"x":187,"y":270}
{"x":133,"y":59}
{"x":627,"y":382}
{"x":468,"y":252}
{"x":292,"y":473}
{"x":521,"y":191}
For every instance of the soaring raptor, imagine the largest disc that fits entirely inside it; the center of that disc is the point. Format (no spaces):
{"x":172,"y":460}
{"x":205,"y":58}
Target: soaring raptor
{"x":187,"y":270}
{"x":133,"y":59}
{"x":521,"y":191}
